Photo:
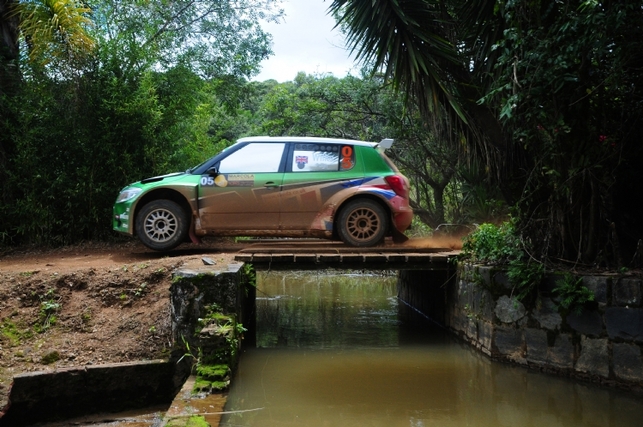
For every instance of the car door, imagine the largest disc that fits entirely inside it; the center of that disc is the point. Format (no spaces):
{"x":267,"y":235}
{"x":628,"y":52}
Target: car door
{"x":244,"y":193}
{"x":315,"y":172}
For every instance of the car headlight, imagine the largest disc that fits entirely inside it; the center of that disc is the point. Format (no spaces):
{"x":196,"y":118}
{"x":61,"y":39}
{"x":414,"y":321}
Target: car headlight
{"x":128,"y":194}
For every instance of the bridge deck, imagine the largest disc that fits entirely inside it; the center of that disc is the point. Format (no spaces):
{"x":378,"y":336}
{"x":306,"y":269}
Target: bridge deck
{"x":306,"y":255}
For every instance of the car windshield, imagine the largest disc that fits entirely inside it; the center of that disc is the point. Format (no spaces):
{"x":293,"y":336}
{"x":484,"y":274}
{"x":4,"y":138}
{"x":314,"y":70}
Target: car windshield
{"x":201,"y":167}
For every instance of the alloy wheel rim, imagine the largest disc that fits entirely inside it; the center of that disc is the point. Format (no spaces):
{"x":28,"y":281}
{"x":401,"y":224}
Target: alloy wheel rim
{"x":161,"y":225}
{"x":363,"y":224}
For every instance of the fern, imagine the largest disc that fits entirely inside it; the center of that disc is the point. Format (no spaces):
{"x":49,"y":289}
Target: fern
{"x":573,"y":295}
{"x":525,"y":276}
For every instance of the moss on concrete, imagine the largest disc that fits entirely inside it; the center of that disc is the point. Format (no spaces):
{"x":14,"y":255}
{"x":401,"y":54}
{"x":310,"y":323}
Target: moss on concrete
{"x":193,"y":421}
{"x":213,"y":372}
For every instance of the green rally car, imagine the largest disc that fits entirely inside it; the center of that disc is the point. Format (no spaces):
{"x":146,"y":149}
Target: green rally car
{"x":273,"y":186}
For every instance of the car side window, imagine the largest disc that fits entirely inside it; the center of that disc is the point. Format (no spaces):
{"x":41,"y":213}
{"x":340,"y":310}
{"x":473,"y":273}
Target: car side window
{"x":322,"y":157}
{"x":255,"y":157}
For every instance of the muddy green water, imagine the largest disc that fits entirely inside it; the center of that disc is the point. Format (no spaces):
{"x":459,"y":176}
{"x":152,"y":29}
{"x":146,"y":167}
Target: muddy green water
{"x":337,"y":350}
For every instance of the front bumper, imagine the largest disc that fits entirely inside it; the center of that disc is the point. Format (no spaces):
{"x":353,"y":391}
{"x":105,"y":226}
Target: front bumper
{"x":121,"y":219}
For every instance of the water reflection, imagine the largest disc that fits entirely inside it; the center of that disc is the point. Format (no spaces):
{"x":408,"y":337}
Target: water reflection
{"x":335,"y":352}
{"x":326,"y":311}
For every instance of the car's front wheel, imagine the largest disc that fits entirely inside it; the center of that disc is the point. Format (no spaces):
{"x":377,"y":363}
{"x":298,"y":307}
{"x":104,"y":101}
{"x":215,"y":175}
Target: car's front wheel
{"x":162,"y":225}
{"x":362,"y":222}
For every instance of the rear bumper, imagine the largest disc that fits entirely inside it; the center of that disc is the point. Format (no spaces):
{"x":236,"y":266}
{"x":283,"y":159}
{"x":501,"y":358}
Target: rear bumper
{"x":402,"y":219}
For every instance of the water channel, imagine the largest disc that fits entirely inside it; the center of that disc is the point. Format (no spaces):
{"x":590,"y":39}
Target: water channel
{"x":339,"y":350}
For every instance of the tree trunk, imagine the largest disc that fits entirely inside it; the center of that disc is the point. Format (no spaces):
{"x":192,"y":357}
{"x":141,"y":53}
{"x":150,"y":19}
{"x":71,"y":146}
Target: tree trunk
{"x":9,"y":71}
{"x":9,"y":84}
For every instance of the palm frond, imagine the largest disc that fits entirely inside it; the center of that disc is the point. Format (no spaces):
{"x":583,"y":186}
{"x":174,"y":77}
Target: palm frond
{"x":55,"y":29}
{"x":409,"y":40}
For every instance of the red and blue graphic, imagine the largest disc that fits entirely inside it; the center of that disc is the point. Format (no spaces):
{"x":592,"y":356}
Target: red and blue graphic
{"x":301,"y":161}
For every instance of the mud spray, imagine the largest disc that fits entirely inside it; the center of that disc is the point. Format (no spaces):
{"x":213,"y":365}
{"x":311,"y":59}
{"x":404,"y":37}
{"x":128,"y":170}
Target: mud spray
{"x":448,"y":242}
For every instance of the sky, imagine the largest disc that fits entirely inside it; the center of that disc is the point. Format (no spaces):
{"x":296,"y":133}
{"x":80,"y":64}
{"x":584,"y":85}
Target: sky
{"x":305,"y":41}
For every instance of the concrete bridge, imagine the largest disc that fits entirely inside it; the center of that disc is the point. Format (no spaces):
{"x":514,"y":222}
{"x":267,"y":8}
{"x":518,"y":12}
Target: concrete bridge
{"x":315,"y":254}
{"x":604,"y":344}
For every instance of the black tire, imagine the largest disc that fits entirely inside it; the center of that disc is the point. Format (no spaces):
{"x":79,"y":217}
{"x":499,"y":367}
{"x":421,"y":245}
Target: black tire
{"x":362,"y":222}
{"x":162,"y":225}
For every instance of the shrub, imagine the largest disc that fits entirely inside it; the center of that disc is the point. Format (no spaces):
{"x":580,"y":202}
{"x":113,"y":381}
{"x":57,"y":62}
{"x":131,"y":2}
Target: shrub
{"x":501,"y":245}
{"x":492,"y":244}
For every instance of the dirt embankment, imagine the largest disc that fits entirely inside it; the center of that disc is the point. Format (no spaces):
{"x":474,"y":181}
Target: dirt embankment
{"x":89,"y":304}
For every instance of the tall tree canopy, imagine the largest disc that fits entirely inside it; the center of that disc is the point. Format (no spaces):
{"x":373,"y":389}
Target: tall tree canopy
{"x":548,"y":94}
{"x":51,"y":30}
{"x":210,"y":37}
{"x":156,"y":93}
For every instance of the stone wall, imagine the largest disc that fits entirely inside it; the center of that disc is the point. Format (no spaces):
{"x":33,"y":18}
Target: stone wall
{"x":603,"y":344}
{"x":210,"y":310}
{"x":195,"y":290}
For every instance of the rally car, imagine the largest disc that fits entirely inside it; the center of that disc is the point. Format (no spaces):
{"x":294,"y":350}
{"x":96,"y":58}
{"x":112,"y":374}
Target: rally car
{"x":273,"y":186}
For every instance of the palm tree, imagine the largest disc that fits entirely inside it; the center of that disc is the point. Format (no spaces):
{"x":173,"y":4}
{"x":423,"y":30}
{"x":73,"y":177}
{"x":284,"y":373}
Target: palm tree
{"x":419,"y":45}
{"x":55,"y":29}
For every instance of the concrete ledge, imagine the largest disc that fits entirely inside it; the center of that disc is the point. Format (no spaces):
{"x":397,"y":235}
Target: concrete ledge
{"x":72,"y":392}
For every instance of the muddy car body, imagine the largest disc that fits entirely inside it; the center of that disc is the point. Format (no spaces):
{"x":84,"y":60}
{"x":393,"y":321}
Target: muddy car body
{"x":273,"y":186}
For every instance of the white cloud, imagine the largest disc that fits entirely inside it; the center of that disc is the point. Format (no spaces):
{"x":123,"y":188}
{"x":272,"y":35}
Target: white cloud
{"x":305,"y":41}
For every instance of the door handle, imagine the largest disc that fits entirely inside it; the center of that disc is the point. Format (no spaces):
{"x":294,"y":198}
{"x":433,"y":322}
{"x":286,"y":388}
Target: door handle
{"x":271,"y":184}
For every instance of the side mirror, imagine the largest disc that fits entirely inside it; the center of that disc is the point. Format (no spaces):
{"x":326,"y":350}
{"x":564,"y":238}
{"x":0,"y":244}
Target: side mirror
{"x":213,"y":171}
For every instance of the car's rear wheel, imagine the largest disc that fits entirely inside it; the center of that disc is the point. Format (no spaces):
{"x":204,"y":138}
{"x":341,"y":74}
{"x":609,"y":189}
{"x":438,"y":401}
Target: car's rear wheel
{"x":362,"y":222}
{"x":162,"y":225}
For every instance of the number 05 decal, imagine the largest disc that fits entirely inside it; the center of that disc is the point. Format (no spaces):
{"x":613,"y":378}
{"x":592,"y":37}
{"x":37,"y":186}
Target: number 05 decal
{"x":348,"y":158}
{"x":207,"y":181}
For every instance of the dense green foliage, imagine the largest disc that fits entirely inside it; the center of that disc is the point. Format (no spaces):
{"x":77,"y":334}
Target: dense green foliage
{"x":546,"y":96}
{"x":572,"y":294}
{"x":530,"y":105}
{"x":81,"y":141}
{"x":569,"y":90}
{"x":158,"y":93}
{"x":492,"y":244}
{"x":500,"y":245}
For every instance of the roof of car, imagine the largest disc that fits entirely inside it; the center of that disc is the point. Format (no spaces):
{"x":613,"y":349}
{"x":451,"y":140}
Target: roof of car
{"x":306,"y":139}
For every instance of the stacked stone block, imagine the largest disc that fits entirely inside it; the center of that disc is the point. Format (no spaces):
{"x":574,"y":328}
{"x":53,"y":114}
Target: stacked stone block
{"x":602,"y":344}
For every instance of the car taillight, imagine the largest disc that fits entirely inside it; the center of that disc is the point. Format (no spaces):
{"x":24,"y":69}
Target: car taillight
{"x":398,"y":184}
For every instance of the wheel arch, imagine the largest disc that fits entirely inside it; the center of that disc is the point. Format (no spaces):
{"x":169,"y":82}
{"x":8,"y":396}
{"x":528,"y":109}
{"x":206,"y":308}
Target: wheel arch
{"x":158,"y":194}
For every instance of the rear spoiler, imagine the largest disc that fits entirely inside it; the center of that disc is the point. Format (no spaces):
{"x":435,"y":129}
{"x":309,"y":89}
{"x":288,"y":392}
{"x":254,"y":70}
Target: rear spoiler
{"x":384,"y":144}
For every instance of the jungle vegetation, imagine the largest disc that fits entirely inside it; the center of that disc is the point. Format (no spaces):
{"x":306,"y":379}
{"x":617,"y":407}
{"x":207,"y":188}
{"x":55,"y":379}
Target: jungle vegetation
{"x":521,"y":108}
{"x":544,"y":96}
